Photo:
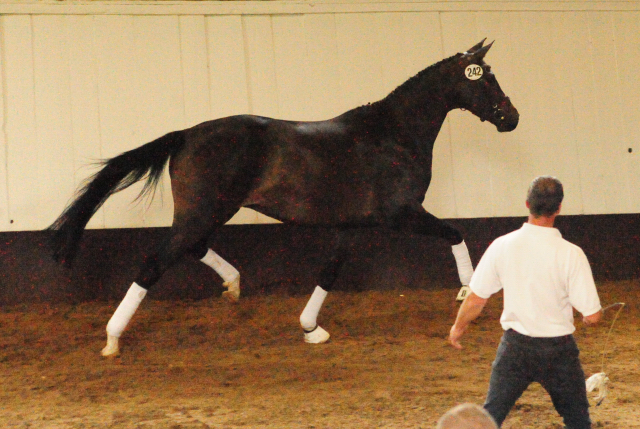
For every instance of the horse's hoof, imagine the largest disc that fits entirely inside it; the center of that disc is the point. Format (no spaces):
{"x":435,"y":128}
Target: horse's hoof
{"x":111,"y":349}
{"x":233,"y":290}
{"x":317,"y":336}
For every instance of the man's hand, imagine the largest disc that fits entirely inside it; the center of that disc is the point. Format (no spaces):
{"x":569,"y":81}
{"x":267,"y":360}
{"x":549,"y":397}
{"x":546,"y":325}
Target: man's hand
{"x":592,"y":319}
{"x":470,"y":309}
{"x":454,"y":337}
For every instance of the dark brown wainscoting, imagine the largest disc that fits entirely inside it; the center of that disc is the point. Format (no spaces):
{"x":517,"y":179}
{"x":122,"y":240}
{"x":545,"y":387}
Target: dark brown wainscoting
{"x":286,"y":259}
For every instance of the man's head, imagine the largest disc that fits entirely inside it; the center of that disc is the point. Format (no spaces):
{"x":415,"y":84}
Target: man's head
{"x":466,"y":416}
{"x":544,"y":196}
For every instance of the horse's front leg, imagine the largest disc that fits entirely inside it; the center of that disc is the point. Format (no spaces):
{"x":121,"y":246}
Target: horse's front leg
{"x":313,"y":333}
{"x":465,"y":268}
{"x":419,"y":221}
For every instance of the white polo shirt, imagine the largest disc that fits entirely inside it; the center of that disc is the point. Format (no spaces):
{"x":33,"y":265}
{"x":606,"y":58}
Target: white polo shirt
{"x":543,"y":277}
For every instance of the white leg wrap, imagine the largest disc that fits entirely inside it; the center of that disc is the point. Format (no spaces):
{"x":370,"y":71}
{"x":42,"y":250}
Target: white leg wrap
{"x":463,"y":261}
{"x":310,"y":313}
{"x":125,"y":310}
{"x":229,"y":274}
{"x":222,"y":267}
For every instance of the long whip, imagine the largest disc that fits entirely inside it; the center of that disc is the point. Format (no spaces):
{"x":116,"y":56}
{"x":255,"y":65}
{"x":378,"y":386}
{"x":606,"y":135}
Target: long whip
{"x":599,"y":381}
{"x":606,"y":343}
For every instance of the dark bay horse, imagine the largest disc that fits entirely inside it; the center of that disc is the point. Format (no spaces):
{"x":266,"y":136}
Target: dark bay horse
{"x":370,"y":166}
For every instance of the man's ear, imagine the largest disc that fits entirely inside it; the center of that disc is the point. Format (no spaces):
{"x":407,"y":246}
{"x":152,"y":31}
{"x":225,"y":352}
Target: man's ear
{"x":527,"y":204}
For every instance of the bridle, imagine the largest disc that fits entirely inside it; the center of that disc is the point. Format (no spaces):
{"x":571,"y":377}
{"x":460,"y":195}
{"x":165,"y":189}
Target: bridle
{"x":497,"y":114}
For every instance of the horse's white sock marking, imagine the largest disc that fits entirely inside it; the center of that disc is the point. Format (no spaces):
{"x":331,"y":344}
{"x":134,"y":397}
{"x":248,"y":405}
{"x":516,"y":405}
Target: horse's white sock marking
{"x":463,"y":261}
{"x":310,"y":313}
{"x":222,"y":267}
{"x":229,"y":274}
{"x":125,"y":310}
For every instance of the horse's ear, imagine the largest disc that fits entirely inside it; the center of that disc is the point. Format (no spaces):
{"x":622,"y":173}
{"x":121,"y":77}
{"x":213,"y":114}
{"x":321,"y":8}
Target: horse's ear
{"x":475,"y":47}
{"x":480,"y":53}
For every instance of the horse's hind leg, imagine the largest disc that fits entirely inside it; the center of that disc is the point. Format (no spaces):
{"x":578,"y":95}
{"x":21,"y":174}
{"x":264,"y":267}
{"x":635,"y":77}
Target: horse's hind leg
{"x":225,"y":270}
{"x":313,"y":333}
{"x":182,"y":239}
{"x":121,"y":318}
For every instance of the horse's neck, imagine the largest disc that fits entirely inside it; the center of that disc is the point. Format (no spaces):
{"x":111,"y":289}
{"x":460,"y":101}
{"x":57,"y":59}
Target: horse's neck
{"x":419,"y":112}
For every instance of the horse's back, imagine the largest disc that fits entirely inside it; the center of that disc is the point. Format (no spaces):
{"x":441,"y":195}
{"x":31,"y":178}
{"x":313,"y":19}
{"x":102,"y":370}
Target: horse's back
{"x":336,"y":171}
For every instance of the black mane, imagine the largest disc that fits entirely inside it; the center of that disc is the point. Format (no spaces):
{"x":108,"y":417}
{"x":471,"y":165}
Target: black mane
{"x":404,"y":87}
{"x":420,"y":76}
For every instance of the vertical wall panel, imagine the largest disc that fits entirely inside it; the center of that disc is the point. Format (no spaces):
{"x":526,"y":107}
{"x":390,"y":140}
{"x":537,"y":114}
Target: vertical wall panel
{"x":580,"y":63}
{"x":5,"y":222}
{"x":604,"y":158}
{"x":195,"y":79}
{"x":85,"y":112}
{"x":158,"y":75}
{"x":358,"y":55}
{"x":560,"y":143}
{"x":407,"y":44}
{"x":322,"y":66}
{"x":20,"y":119}
{"x":390,"y":58}
{"x":626,"y":30}
{"x":290,"y":65}
{"x":53,"y":147}
{"x":227,"y":66}
{"x":263,"y":88}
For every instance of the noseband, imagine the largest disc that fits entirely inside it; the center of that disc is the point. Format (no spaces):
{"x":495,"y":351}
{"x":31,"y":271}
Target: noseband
{"x":497,"y":114}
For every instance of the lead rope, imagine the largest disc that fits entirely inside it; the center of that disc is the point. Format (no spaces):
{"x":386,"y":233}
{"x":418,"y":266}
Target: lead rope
{"x":599,"y":381}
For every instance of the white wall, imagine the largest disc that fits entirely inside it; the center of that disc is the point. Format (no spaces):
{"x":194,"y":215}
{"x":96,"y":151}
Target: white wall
{"x":81,"y":82}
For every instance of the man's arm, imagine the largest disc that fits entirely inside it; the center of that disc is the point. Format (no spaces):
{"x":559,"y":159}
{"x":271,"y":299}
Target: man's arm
{"x":470,"y":309}
{"x":592,"y":319}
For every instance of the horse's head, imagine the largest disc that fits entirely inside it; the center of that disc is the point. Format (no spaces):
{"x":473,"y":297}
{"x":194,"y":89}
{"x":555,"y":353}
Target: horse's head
{"x":476,"y":89}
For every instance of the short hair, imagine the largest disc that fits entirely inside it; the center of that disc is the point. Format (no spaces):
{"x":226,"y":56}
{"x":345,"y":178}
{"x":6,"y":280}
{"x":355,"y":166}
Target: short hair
{"x":467,"y":416}
{"x":545,"y":196}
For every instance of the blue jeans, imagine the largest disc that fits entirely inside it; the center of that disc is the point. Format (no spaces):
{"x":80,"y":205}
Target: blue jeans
{"x":552,"y":362}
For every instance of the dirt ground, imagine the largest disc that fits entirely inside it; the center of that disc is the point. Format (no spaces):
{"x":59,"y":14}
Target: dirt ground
{"x":210,"y":364}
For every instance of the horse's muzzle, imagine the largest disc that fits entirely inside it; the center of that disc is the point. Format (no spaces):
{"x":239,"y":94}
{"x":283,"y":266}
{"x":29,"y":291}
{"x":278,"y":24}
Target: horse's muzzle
{"x":507,"y":117}
{"x":510,"y":124}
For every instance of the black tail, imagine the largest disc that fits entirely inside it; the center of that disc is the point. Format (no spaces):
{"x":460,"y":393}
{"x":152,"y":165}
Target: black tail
{"x":117,"y":174}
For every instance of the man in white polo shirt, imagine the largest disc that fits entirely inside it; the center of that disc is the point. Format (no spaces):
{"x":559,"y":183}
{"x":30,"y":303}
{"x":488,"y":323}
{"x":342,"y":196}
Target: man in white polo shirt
{"x":544,"y":277}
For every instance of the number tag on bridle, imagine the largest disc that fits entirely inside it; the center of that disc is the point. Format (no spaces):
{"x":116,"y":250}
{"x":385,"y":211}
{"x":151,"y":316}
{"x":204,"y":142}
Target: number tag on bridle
{"x":473,"y":72}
